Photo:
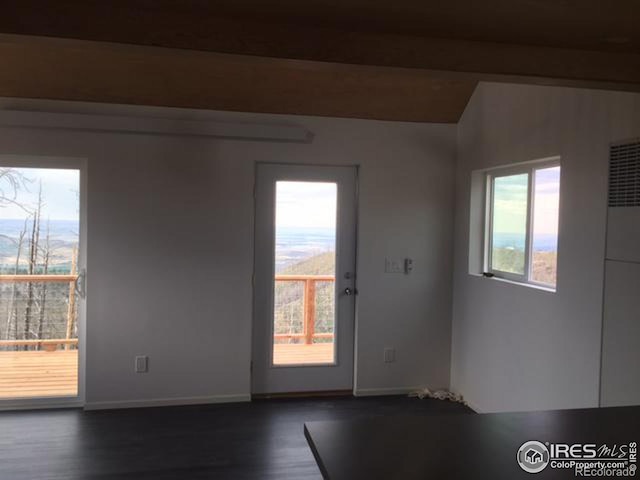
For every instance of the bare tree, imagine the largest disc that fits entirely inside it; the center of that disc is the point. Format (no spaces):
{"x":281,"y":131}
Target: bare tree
{"x":43,"y":294}
{"x":12,"y":315}
{"x":33,"y":262}
{"x":11,"y":181}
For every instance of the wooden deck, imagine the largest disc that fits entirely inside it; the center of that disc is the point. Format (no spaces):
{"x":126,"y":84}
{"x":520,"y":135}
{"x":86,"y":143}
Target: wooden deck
{"x":55,"y":374}
{"x":296,"y":354}
{"x":38,"y":374}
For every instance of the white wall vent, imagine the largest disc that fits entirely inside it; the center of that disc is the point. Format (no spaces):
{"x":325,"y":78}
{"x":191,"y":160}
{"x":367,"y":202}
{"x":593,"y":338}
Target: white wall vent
{"x":624,"y":174}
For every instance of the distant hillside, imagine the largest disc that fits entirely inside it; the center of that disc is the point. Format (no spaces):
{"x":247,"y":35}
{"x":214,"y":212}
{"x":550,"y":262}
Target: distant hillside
{"x":323,"y":264}
{"x":545,"y":265}
{"x":544,"y":268}
{"x":63,"y":239}
{"x":289,"y":296}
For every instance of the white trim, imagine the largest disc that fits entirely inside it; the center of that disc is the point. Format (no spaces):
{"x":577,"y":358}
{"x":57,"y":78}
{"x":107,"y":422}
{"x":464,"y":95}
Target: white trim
{"x":82,"y":266}
{"x":40,"y":403}
{"x":517,"y":166}
{"x":155,"y":126}
{"x":373,"y":392}
{"x":535,"y":286}
{"x":168,"y":402}
{"x":473,"y":406}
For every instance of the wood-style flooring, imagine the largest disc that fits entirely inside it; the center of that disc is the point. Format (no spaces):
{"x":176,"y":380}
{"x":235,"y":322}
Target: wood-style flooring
{"x":259,"y":440}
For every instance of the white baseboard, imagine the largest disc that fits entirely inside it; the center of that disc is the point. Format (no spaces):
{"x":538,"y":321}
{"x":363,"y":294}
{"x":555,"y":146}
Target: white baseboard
{"x":167,"y":402}
{"x":474,"y":407}
{"x":38,"y":404}
{"x":371,"y":392}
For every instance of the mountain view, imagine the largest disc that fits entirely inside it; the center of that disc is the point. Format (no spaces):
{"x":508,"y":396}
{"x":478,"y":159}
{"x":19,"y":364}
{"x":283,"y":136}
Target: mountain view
{"x":63,"y":239}
{"x":522,"y":204}
{"x":304,"y":251}
{"x":39,"y":233}
{"x":508,"y":253}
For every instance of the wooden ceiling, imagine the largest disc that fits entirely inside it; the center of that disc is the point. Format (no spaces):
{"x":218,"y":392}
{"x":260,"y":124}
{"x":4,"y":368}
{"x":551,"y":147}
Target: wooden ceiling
{"x":415,"y":60}
{"x":111,"y":73}
{"x":583,"y":24}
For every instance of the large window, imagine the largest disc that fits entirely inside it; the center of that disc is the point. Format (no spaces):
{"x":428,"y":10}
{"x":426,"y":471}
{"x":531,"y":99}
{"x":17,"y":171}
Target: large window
{"x":521,"y":241}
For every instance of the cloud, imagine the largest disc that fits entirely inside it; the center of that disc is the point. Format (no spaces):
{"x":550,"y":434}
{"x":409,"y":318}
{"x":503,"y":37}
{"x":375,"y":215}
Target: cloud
{"x":306,"y":204}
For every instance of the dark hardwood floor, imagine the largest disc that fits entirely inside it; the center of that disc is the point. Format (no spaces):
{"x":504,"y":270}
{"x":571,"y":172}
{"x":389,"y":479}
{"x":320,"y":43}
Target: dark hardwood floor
{"x":259,"y":440}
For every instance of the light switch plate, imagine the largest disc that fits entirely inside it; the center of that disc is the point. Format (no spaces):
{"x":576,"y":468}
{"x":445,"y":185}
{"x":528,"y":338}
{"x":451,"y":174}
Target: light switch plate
{"x":393,"y":265}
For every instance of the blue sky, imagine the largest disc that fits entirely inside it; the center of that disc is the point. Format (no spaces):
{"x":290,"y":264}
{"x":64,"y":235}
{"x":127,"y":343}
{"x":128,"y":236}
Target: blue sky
{"x":60,"y":190}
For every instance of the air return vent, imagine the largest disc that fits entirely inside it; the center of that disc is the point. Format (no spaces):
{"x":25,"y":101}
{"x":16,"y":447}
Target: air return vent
{"x":624,"y":175}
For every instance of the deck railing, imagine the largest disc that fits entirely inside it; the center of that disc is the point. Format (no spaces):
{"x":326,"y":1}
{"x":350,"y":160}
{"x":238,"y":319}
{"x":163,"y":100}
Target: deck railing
{"x":308,"y":307}
{"x":48,"y":343}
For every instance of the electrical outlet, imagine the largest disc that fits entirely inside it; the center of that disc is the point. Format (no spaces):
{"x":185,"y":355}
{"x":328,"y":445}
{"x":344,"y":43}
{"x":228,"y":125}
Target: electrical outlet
{"x":142,"y":364}
{"x":408,"y":266}
{"x":389,"y":355}
{"x":393,"y":265}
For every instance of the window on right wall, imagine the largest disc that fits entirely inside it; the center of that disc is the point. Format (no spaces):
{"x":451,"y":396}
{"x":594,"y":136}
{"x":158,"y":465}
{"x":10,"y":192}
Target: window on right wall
{"x":521,"y":233}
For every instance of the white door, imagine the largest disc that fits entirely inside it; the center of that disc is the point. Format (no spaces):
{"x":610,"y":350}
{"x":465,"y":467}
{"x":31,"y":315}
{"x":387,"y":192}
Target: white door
{"x":304,"y":285}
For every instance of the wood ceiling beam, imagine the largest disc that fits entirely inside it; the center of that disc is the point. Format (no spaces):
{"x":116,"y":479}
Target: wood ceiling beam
{"x":241,"y":36}
{"x":61,"y":69}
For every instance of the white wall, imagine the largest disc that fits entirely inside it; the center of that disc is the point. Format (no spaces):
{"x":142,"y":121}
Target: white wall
{"x":621,"y":332}
{"x":170,"y":250}
{"x":515,"y":347}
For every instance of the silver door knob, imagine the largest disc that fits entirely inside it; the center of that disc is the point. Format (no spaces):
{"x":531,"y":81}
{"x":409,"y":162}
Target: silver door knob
{"x":348,"y":291}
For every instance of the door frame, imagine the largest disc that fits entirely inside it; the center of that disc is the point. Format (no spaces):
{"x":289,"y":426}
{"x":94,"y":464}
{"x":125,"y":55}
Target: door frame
{"x":255,"y":319}
{"x":23,"y":160}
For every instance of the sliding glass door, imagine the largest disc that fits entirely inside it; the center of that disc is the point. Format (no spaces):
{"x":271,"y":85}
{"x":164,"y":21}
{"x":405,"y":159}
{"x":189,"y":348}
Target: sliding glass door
{"x":41,"y":280}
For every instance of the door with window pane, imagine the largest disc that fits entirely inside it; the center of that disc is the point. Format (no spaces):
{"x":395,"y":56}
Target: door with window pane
{"x":41,"y":258}
{"x":304,"y":285}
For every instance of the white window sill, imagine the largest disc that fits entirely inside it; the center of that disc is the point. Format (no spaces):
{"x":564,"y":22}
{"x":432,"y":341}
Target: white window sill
{"x":513,"y":282}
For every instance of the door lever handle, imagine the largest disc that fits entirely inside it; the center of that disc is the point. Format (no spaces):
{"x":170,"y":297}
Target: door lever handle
{"x":81,"y":283}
